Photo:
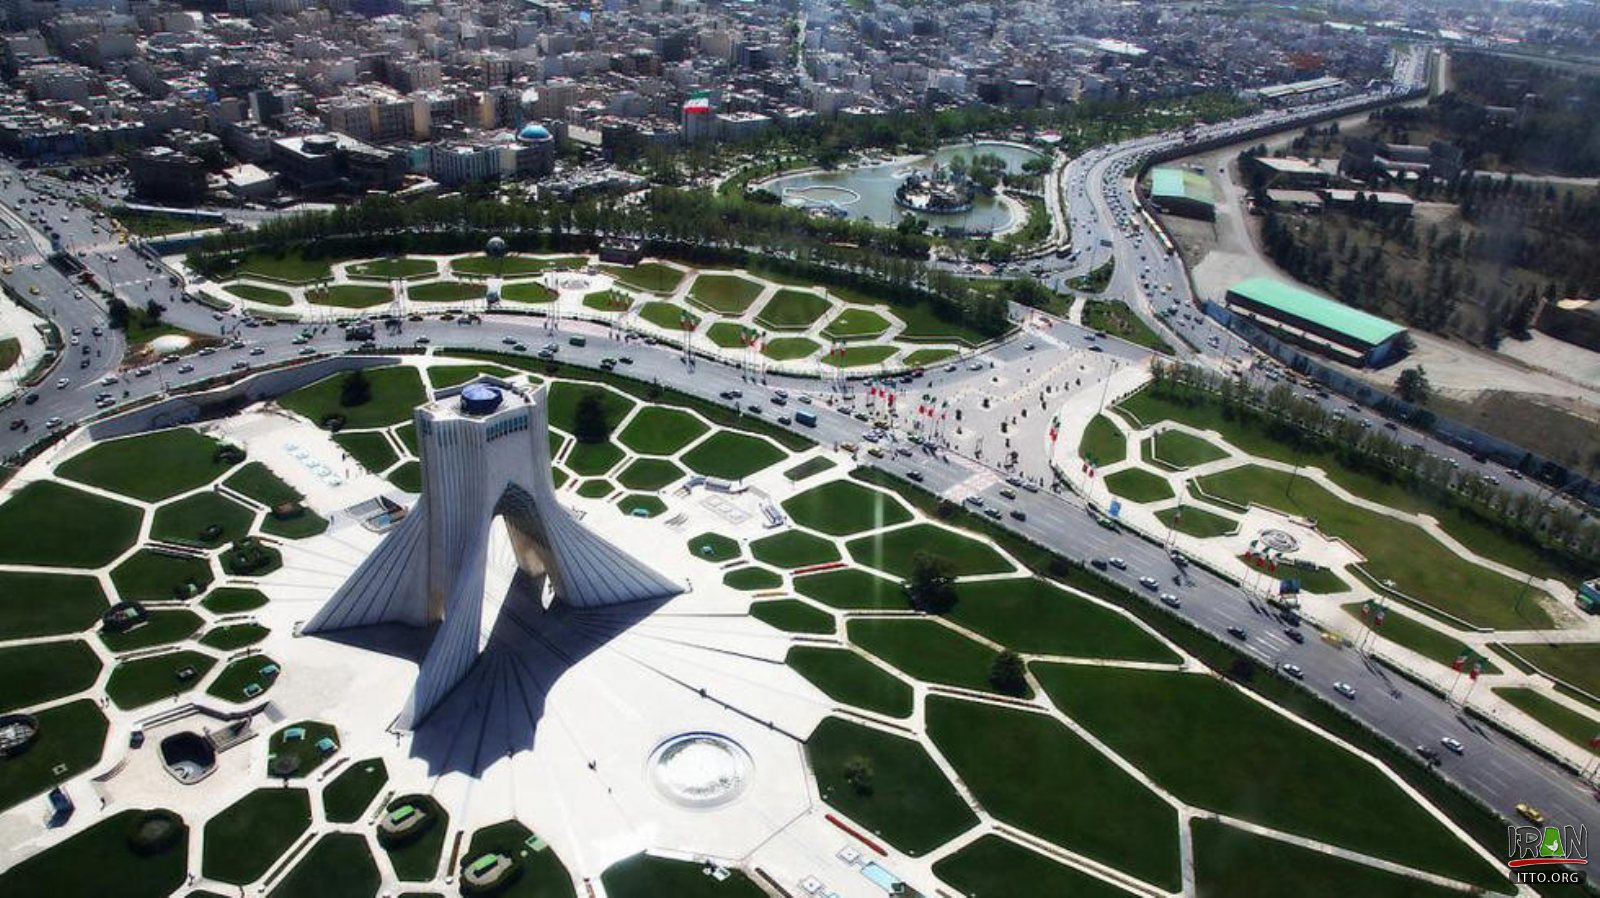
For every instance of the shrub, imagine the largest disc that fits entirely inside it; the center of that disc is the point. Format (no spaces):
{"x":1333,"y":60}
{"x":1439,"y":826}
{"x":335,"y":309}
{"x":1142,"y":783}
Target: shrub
{"x":858,"y":773}
{"x":1008,"y":675}
{"x":155,"y":831}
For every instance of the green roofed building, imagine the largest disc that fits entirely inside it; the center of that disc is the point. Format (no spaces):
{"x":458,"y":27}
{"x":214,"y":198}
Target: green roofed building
{"x":1317,"y":323}
{"x":1179,"y":192}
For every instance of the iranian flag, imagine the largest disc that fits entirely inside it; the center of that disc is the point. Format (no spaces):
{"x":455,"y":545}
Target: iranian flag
{"x":700,"y":105}
{"x":1461,"y":660}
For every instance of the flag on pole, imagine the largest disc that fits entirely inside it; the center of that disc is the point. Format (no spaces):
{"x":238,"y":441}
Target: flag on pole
{"x":1377,"y":621}
{"x":1477,"y":668}
{"x":1461,"y":660}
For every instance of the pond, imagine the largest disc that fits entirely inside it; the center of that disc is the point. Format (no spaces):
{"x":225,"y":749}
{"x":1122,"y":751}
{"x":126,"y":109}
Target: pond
{"x":867,"y":193}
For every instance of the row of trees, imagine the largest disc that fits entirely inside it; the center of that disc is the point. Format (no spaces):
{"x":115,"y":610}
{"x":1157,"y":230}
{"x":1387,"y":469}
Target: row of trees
{"x":1567,"y":536}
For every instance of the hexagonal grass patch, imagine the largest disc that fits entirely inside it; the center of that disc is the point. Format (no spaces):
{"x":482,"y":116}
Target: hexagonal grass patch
{"x":895,"y":551}
{"x":669,"y":316}
{"x":1029,"y":770}
{"x":608,"y":301}
{"x":853,"y":589}
{"x":592,"y":459}
{"x":641,"y":505}
{"x":657,"y":430}
{"x":70,"y":740}
{"x":650,"y":474}
{"x":752,"y":578}
{"x":844,"y":507}
{"x":597,"y":488}
{"x":793,"y":616}
{"x":398,"y":267}
{"x":855,"y":324}
{"x":1030,"y":616}
{"x":888,"y":784}
{"x":445,"y":376}
{"x":714,"y":547}
{"x":446,"y":291}
{"x":371,"y":449}
{"x":643,"y":876}
{"x":250,"y":557}
{"x":149,"y":575}
{"x":350,"y":296}
{"x":264,"y":295}
{"x":161,"y":626}
{"x":234,"y":636}
{"x":859,"y":356}
{"x":34,"y":605}
{"x":541,"y":873}
{"x":243,"y":841}
{"x":151,"y":467}
{"x":408,"y":477}
{"x":929,"y":356}
{"x":926,"y":650}
{"x":38,"y":672}
{"x":294,"y":751}
{"x":787,"y":349}
{"x":1239,"y":864}
{"x":728,"y":334}
{"x":394,"y":392}
{"x":347,"y":797}
{"x":793,"y":549}
{"x":652,"y":277}
{"x":992,"y":865}
{"x":339,"y":865}
{"x":134,"y":684}
{"x":850,"y":679}
{"x":725,"y":294}
{"x":415,"y":852}
{"x":492,"y":266}
{"x":1178,"y":450}
{"x":233,"y":599}
{"x":47,"y":523}
{"x":793,"y":309}
{"x":562,"y":404}
{"x":732,"y":456}
{"x":1242,"y":759}
{"x":245,"y":679}
{"x":257,"y":481}
{"x":102,"y":860}
{"x":204,"y":519}
{"x":1139,"y":485}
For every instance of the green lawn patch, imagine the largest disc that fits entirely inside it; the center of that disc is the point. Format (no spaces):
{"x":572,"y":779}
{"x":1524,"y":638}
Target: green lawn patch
{"x":1033,"y":773}
{"x":1573,"y":726}
{"x":727,"y":334}
{"x":793,"y":616}
{"x":1420,"y":565}
{"x":339,"y":865}
{"x":33,"y":604}
{"x":1176,"y":449}
{"x":669,"y":316}
{"x":1318,"y":580}
{"x":732,"y":456}
{"x":895,"y":551}
{"x":598,"y":488}
{"x":395,"y":393}
{"x":134,"y":684}
{"x":641,"y":505}
{"x":924,"y":324}
{"x":512,"y":266}
{"x":247,"y":838}
{"x":607,"y":301}
{"x":542,"y":874}
{"x":203,"y":519}
{"x":408,"y":477}
{"x":1210,"y":746}
{"x":926,"y":650}
{"x":995,"y":866}
{"x":291,"y":758}
{"x":929,"y":357}
{"x":1139,"y":485}
{"x":164,"y":625}
{"x":857,"y":356}
{"x":70,"y":736}
{"x":148,"y":575}
{"x":39,"y":672}
{"x":1102,"y":442}
{"x":844,"y":507}
{"x":887,"y":784}
{"x":1118,"y":320}
{"x":416,"y":859}
{"x":1576,"y":664}
{"x":371,"y":449}
{"x":250,"y":557}
{"x":657,"y":430}
{"x":151,"y":467}
{"x":752,"y":578}
{"x":233,"y":599}
{"x":793,"y":549}
{"x":1197,"y":521}
{"x":528,"y":291}
{"x":787,"y":349}
{"x":725,"y":294}
{"x":386,"y":269}
{"x":853,"y":589}
{"x":809,"y":468}
{"x":445,"y":291}
{"x":793,"y":310}
{"x":563,"y":398}
{"x":10,"y":351}
{"x":643,"y":876}
{"x":714,"y":547}
{"x":292,"y":266}
{"x":298,"y":523}
{"x":347,"y":798}
{"x":234,"y":636}
{"x":445,"y":376}
{"x":855,"y":324}
{"x":1231,"y":863}
{"x":258,"y":482}
{"x":650,"y":474}
{"x":351,"y":296}
{"x":846,"y":677}
{"x":100,"y":861}
{"x":652,"y":277}
{"x":1030,"y":616}
{"x":265,"y":295}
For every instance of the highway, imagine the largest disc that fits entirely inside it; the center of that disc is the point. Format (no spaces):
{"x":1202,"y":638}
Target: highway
{"x":1494,"y":768}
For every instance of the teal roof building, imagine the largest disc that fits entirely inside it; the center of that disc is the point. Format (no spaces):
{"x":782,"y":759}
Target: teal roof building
{"x":1317,"y":322}
{"x":1180,"y":192}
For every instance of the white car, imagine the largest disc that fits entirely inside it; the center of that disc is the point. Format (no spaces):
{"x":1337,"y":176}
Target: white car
{"x":1148,"y":582}
{"x":61,"y":384}
{"x":1453,"y":744}
{"x":1117,"y":563}
{"x":1344,"y":689}
{"x":1293,"y":670}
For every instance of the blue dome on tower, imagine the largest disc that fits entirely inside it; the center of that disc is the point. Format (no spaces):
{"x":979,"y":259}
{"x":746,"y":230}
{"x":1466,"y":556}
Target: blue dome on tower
{"x":533,"y":133}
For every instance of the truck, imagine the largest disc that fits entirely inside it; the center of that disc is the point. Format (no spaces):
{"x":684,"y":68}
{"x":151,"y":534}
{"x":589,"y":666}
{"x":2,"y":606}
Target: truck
{"x":577,"y":340}
{"x":806,"y":416}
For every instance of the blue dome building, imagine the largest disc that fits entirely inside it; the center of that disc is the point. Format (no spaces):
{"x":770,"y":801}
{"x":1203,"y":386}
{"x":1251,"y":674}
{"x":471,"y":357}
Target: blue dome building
{"x":534,"y":133}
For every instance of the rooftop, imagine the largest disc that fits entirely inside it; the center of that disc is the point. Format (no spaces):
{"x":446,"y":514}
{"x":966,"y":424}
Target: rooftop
{"x":1175,"y":183}
{"x":1319,"y":310}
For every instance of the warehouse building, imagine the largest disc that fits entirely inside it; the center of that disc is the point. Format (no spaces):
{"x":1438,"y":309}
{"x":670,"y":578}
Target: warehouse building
{"x":1179,"y":192}
{"x":1317,"y":323}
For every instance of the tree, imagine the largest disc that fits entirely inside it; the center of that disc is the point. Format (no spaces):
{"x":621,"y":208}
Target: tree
{"x":931,"y":587}
{"x":1008,"y":675}
{"x":356,"y":389}
{"x":1413,"y":386}
{"x":589,"y":422}
{"x":117,"y":314}
{"x":152,"y":313}
{"x":858,"y":773}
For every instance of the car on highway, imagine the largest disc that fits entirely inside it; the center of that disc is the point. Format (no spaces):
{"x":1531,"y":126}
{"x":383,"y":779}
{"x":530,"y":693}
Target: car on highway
{"x":185,"y":369}
{"x":1238,"y":632}
{"x":1344,"y":689}
{"x":1533,"y":814}
{"x":61,"y":383}
{"x":1294,"y":635}
{"x":991,"y":511}
{"x":240,"y":365}
{"x":1171,"y":601}
{"x":914,"y":476}
{"x":1429,"y":754}
{"x":1293,"y":670}
{"x":1118,"y":563}
{"x":1453,"y":744}
{"x":1148,"y":582}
